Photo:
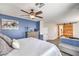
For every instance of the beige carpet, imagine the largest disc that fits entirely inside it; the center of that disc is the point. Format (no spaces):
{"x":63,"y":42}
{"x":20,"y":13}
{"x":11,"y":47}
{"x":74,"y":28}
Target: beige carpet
{"x":56,"y":42}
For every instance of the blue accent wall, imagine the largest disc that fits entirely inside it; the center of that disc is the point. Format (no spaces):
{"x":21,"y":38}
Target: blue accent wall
{"x":20,"y":33}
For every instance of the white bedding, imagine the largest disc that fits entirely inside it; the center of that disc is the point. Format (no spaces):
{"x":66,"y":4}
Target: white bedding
{"x":69,"y":49}
{"x":69,"y":46}
{"x":35,"y":47}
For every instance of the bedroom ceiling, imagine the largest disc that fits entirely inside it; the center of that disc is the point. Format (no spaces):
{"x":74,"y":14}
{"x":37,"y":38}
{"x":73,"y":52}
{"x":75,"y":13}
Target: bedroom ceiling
{"x":52,"y":12}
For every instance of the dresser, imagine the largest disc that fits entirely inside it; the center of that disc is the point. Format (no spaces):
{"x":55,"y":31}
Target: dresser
{"x":34,"y":34}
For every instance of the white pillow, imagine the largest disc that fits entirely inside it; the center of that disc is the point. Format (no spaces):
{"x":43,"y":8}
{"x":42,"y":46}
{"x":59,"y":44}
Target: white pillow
{"x":15,"y":44}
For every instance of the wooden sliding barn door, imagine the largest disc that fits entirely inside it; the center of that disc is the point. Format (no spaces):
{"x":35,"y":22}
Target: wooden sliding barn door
{"x":68,"y":30}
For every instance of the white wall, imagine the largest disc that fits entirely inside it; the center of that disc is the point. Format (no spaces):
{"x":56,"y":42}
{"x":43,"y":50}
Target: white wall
{"x":43,"y":30}
{"x":52,"y":31}
{"x":76,"y":30}
{"x":41,"y":27}
{"x":49,"y":30}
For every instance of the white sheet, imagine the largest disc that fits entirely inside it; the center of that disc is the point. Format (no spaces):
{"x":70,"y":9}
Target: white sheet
{"x":35,"y":47}
{"x":69,"y":46}
{"x":69,"y":49}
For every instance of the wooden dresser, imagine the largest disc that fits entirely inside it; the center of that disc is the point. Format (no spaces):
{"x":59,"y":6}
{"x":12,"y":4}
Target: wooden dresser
{"x":34,"y":34}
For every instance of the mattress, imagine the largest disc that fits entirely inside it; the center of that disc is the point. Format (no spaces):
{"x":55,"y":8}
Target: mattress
{"x":35,"y":47}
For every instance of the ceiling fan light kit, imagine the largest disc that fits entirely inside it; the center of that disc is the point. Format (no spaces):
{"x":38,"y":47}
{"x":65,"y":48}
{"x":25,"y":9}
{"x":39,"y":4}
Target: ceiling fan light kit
{"x":32,"y":16}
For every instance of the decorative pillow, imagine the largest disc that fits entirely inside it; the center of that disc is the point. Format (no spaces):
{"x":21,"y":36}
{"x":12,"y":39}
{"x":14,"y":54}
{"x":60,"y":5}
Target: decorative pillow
{"x":6,"y":39}
{"x":15,"y":44}
{"x":4,"y":47}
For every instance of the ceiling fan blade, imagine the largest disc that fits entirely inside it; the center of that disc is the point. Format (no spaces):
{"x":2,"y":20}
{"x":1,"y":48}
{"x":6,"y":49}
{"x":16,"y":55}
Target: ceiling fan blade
{"x":39,"y":16}
{"x":24,"y":11}
{"x":39,"y":12}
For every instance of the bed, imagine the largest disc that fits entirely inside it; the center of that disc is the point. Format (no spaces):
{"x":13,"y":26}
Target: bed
{"x":70,"y":46}
{"x":34,"y":47}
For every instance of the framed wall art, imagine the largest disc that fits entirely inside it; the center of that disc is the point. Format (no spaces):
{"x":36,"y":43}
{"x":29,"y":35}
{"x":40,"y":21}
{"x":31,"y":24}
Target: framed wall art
{"x":10,"y":24}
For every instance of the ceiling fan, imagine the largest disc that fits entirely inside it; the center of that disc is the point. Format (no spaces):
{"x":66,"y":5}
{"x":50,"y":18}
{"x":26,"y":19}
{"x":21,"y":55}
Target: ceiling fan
{"x":32,"y":14}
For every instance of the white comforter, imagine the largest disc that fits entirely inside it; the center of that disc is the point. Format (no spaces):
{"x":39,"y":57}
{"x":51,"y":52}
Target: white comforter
{"x":35,"y":47}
